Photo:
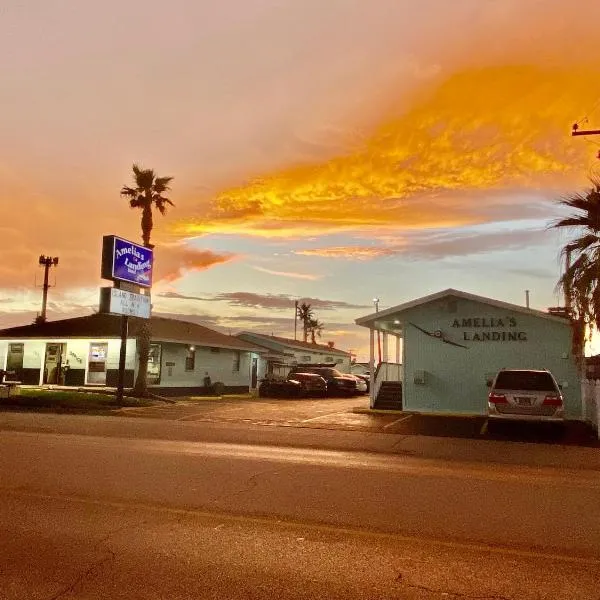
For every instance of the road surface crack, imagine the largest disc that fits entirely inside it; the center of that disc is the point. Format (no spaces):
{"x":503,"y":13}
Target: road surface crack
{"x":447,"y":593}
{"x":252,"y":482}
{"x":95,"y":565}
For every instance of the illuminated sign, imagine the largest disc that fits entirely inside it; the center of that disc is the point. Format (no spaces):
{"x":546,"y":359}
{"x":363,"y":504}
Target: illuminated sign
{"x":123,"y":260}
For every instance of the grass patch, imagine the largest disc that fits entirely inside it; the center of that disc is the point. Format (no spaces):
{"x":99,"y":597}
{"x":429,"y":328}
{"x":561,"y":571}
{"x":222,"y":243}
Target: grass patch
{"x":70,"y":400}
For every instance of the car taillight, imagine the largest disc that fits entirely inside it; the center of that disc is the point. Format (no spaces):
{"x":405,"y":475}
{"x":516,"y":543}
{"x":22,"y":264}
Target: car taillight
{"x":552,"y":400}
{"x":494,"y":398}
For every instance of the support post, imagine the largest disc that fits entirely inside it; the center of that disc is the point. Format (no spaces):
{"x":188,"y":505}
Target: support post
{"x":385,"y":347}
{"x":372,"y":368}
{"x":122,"y":357}
{"x":398,"y":349}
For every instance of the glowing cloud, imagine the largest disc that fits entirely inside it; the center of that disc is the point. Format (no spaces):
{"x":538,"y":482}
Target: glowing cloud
{"x":488,"y":129}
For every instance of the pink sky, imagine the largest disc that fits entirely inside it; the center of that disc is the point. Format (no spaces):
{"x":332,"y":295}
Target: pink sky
{"x":310,"y":143}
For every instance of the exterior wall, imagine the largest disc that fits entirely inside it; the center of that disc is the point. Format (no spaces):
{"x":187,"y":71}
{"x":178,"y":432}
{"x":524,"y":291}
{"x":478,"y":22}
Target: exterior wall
{"x":359,"y":369}
{"x":455,"y":378}
{"x":75,"y":357}
{"x":219,"y":366}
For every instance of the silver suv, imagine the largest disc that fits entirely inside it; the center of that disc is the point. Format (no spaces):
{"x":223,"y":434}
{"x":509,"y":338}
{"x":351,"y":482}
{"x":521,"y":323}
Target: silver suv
{"x":526,"y":395}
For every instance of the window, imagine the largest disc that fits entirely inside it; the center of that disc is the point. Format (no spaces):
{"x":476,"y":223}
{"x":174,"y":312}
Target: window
{"x":190,"y":358}
{"x":237,"y":359}
{"x":329,"y":359}
{"x":305,"y":359}
{"x":531,"y":381}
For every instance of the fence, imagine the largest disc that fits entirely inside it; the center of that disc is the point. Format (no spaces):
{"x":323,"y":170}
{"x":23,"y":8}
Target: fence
{"x":590,"y":397}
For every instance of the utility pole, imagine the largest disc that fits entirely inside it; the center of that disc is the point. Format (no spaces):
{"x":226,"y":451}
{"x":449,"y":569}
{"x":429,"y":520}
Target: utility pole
{"x":295,"y":319}
{"x":46,"y":262}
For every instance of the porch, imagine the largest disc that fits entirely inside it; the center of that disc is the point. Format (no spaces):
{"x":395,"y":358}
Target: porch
{"x":385,"y":364}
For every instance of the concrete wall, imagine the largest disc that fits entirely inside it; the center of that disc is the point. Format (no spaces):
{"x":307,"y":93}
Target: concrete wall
{"x":455,"y":378}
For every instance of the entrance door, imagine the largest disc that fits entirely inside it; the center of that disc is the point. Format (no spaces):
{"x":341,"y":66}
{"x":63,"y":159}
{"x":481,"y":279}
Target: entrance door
{"x":254,"y":373}
{"x":97,"y":364}
{"x":53,"y":364}
{"x":14,"y":361}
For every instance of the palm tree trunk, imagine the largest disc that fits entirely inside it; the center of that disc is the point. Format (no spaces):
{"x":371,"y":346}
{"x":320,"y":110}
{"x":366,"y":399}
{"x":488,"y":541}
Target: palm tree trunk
{"x":140,"y":388}
{"x":147,"y":223}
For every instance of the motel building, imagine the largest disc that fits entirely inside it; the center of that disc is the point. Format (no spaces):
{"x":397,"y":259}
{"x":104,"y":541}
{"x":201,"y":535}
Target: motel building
{"x":84,"y":351}
{"x":438,"y":353}
{"x":283,"y":354}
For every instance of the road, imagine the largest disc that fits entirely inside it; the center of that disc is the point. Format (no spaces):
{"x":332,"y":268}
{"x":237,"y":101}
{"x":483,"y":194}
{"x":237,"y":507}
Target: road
{"x":91,"y":516}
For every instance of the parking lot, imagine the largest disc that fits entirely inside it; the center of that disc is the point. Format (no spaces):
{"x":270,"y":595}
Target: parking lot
{"x":341,"y":414}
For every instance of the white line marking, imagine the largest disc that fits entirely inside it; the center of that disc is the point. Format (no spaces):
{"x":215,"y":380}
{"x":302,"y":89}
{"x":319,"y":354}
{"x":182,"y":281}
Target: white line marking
{"x":404,"y":418}
{"x":322,"y":417}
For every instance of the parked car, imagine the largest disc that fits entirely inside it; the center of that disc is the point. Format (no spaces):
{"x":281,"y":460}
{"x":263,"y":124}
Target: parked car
{"x":312,"y":384}
{"x":338,"y":384}
{"x":279,"y":388}
{"x":300,"y":385}
{"x":525,"y":394}
{"x":366,"y":379}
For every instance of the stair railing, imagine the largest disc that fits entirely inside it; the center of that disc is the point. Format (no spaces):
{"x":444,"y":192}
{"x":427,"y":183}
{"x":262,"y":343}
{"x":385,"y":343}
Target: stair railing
{"x":385,"y":371}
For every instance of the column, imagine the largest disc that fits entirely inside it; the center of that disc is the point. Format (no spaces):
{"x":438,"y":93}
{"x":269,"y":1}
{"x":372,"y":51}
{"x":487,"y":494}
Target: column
{"x":372,"y":367}
{"x":385,"y":347}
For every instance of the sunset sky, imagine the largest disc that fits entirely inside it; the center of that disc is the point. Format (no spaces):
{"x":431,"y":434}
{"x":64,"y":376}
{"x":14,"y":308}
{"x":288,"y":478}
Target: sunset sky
{"x":329,"y":150}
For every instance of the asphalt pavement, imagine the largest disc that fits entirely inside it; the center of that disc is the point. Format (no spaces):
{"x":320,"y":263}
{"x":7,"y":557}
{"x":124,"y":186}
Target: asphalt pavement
{"x":109,"y":507}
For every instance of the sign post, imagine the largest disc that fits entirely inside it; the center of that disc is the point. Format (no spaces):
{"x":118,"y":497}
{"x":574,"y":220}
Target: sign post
{"x":129,"y":266}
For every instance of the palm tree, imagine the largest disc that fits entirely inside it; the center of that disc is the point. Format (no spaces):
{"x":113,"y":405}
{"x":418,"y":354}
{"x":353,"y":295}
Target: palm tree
{"x":316,"y":329}
{"x":305,"y":314}
{"x":147,"y":195}
{"x":581,"y":279}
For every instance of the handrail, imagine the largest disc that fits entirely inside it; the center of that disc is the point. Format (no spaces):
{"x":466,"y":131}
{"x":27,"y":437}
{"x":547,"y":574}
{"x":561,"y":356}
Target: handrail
{"x":385,"y":371}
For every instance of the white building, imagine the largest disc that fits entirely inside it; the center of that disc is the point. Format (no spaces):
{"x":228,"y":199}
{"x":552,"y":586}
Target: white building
{"x":282,"y":354}
{"x":84,"y":351}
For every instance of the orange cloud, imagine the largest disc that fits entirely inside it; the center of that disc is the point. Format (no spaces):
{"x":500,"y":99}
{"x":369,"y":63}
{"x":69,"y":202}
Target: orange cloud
{"x":481,"y":130}
{"x":174,"y":261}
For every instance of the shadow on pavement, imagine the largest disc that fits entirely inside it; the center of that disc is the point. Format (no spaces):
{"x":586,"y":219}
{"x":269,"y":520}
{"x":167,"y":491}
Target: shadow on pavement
{"x":575,"y":433}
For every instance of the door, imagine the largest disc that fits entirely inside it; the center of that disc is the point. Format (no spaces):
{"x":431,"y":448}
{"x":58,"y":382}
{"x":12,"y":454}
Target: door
{"x":14,"y":361}
{"x":53,"y":363}
{"x":154,"y":364}
{"x":254,"y":376}
{"x":96,"y":374}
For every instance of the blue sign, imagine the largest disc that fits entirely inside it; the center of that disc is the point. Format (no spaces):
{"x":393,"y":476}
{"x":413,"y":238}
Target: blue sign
{"x":126,"y":261}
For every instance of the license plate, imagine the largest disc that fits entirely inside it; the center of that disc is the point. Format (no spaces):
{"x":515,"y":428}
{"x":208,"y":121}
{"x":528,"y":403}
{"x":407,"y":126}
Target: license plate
{"x":524,"y":401}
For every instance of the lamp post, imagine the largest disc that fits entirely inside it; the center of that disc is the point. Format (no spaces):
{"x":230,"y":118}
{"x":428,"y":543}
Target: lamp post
{"x":46,"y":262}
{"x":376,"y":303}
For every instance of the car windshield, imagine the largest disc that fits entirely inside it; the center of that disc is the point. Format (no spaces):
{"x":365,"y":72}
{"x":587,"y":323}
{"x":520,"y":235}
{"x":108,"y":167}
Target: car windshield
{"x":533,"y":381}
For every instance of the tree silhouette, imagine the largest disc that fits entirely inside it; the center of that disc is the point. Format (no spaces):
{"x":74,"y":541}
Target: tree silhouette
{"x":147,"y":195}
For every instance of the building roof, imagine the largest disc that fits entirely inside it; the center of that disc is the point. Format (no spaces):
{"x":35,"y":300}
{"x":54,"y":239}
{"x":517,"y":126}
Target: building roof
{"x":299,"y":345}
{"x":371,"y":319}
{"x":109,"y":326}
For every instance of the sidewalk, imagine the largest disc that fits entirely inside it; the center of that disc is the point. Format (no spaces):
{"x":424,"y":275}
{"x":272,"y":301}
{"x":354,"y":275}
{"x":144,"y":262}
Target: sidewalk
{"x":415,"y":446}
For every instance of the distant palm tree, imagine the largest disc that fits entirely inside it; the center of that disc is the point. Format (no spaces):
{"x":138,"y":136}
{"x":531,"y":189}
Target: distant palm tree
{"x":147,"y":195}
{"x":305,"y":314}
{"x":581,"y":279}
{"x":316,"y":329}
